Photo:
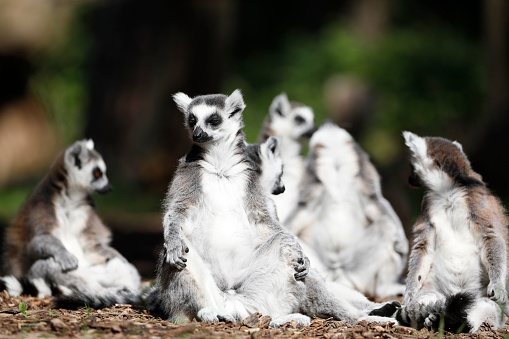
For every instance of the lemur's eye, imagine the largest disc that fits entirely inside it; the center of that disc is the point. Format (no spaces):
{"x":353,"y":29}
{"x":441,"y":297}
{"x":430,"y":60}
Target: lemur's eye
{"x":97,"y":173}
{"x":299,"y":120}
{"x":191,"y":120}
{"x":214,"y":120}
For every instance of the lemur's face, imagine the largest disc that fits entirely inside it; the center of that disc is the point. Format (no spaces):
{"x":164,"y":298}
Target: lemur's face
{"x":272,"y":167}
{"x":434,"y":160}
{"x":210,"y":118}
{"x":86,"y":169}
{"x":291,"y":120}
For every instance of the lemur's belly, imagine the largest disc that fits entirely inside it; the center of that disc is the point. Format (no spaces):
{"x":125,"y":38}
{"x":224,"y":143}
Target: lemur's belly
{"x":71,"y":223}
{"x":228,"y":240}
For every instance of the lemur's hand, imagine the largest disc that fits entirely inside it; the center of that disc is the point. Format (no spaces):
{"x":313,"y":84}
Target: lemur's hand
{"x":302,"y":268}
{"x":175,"y":249}
{"x":497,"y":292}
{"x":67,"y":261}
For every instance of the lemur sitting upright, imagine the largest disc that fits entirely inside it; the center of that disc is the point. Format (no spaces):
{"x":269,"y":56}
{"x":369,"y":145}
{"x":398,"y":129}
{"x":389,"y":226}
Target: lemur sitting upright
{"x":225,"y":254}
{"x":458,"y":263}
{"x":57,"y":242}
{"x":292,"y":123}
{"x":344,"y":217}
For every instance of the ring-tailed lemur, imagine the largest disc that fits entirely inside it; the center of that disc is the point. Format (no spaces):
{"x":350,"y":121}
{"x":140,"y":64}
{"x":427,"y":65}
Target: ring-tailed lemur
{"x":343,"y":216}
{"x":458,"y":263}
{"x":225,"y":254}
{"x":57,"y":244}
{"x":292,"y":123}
{"x":267,"y":155}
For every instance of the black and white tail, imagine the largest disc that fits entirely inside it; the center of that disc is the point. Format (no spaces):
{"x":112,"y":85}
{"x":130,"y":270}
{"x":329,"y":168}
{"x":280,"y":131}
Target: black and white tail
{"x":77,"y":299}
{"x":68,"y":298}
{"x":37,"y":287}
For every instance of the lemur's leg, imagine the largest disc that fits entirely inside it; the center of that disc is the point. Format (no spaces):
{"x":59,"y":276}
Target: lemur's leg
{"x":486,"y":310}
{"x":191,"y":292}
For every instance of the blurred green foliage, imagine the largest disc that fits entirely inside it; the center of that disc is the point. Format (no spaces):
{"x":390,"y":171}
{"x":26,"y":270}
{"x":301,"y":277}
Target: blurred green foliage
{"x":424,"y":81}
{"x":61,"y":79}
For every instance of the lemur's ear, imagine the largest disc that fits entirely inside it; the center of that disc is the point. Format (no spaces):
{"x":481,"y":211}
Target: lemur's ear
{"x":415,"y":143}
{"x":280,"y":105}
{"x":234,"y":103}
{"x":90,"y":144}
{"x":272,"y":145}
{"x":457,"y":144}
{"x":182,"y":100}
{"x":77,"y":154}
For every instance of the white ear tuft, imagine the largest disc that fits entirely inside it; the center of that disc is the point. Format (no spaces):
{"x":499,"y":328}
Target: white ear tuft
{"x":234,"y":103}
{"x":90,"y":144}
{"x":182,"y":100}
{"x":415,"y":143}
{"x":280,"y":105}
{"x":273,"y":145}
{"x":457,"y":144}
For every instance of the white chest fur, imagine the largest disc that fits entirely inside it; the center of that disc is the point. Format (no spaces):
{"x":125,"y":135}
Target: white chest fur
{"x":456,"y":256}
{"x":220,"y":229}
{"x":72,"y":217}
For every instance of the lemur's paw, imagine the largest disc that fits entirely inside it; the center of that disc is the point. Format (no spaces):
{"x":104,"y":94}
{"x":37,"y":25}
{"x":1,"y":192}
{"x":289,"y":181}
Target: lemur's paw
{"x":302,"y":268}
{"x":207,"y":314}
{"x":497,"y":292}
{"x":300,"y":320}
{"x":430,"y":320}
{"x":175,"y":251}
{"x":66,"y":261}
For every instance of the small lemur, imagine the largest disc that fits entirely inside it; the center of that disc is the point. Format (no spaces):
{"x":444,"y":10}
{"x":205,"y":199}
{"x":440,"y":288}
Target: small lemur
{"x":225,"y":254}
{"x":292,"y":123}
{"x":343,"y":216}
{"x":458,"y":263}
{"x":57,"y":244}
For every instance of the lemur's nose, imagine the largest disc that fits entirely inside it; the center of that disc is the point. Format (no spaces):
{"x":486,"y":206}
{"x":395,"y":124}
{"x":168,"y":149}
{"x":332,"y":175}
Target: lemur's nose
{"x":199,"y":134}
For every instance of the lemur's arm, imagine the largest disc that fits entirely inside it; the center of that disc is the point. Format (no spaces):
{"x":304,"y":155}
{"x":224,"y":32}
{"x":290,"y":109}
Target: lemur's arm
{"x":494,"y":259}
{"x":44,"y":246}
{"x":183,"y":194}
{"x":420,"y":258}
{"x":267,"y":226}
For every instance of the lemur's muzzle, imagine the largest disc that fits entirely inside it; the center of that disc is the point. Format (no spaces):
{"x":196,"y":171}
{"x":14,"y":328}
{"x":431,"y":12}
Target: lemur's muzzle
{"x":309,"y":133}
{"x":200,"y":135}
{"x":278,"y":189}
{"x":105,"y":189}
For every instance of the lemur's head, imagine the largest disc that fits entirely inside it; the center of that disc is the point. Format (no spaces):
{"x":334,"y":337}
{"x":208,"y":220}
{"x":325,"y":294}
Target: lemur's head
{"x":290,"y":120}
{"x":211,"y":117}
{"x":334,"y":148}
{"x":438,"y":163}
{"x":272,"y":166}
{"x":85,"y":168}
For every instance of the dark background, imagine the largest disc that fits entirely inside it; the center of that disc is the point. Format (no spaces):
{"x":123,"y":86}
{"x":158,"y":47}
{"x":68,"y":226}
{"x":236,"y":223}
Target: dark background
{"x":107,"y":69}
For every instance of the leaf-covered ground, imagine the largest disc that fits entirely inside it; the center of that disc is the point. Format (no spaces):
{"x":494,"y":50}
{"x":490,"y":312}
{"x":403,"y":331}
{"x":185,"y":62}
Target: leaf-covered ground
{"x":30,"y":317}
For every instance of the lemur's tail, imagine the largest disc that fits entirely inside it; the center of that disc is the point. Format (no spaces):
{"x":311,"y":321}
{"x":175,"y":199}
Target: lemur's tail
{"x":451,"y":317}
{"x":77,"y":299}
{"x":37,"y":287}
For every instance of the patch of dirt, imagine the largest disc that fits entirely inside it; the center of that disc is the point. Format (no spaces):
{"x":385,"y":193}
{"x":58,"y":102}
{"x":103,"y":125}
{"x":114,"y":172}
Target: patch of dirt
{"x":33,"y":317}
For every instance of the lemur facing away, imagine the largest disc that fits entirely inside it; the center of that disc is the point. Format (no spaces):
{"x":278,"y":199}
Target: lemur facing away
{"x":267,"y":155}
{"x":57,"y":244}
{"x":458,"y":263}
{"x":292,"y":123}
{"x":343,"y":216}
{"x":225,"y":254}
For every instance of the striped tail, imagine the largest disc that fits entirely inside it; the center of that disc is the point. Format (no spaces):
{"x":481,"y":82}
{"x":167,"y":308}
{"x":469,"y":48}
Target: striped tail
{"x":36,"y":287}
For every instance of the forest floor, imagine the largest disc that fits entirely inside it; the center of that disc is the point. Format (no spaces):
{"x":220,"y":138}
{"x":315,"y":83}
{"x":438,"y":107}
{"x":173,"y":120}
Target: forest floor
{"x":29,"y":317}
